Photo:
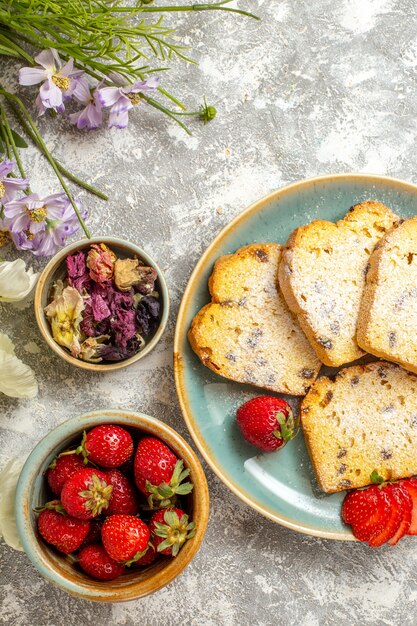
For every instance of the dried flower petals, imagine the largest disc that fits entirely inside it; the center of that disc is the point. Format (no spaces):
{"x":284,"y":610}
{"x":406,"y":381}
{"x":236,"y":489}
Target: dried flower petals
{"x":64,"y":313}
{"x":130,"y":273}
{"x":118,"y":306}
{"x":100,"y":262}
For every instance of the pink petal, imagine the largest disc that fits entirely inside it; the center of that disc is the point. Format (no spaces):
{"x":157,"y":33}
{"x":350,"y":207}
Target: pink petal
{"x":32,"y":75}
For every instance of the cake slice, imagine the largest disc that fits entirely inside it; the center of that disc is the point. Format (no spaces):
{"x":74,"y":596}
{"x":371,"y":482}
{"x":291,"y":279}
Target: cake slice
{"x":322,"y":276}
{"x":387,"y":324}
{"x":247,"y":332}
{"x":364,"y":420}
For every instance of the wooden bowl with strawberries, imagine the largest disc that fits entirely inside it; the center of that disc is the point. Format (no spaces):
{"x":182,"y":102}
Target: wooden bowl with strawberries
{"x":112,"y":505}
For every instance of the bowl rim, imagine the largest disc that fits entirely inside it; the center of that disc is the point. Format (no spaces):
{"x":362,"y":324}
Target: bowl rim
{"x":181,"y":330}
{"x":44,"y":326}
{"x":98,"y":591}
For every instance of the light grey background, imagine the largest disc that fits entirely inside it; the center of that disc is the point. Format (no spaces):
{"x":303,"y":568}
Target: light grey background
{"x":316,"y":87}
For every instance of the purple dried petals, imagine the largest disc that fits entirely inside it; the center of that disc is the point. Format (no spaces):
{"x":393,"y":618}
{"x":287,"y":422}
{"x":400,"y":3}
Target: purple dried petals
{"x":114,"y":321}
{"x":100,"y":308}
{"x":148,"y":315}
{"x":124,"y":326}
{"x":77,"y":274}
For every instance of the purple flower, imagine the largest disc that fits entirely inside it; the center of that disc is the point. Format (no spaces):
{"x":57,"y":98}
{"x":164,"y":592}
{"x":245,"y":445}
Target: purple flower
{"x":121,"y":99}
{"x":119,"y":353}
{"x":92,"y":115}
{"x":77,"y":273}
{"x":41,"y":225}
{"x":124,"y":326}
{"x":148,"y":315}
{"x":59,"y":82}
{"x":10,"y":186}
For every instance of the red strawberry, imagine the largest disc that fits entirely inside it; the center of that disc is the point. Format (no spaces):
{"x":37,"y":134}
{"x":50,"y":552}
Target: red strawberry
{"x":267,"y":422}
{"x":62,"y":468}
{"x":395,"y":496}
{"x":59,"y":529}
{"x":125,"y":537}
{"x":411,"y":485}
{"x":107,"y":445}
{"x":149,"y":556}
{"x":406,"y":518}
{"x":368,"y":511}
{"x":123,"y":499}
{"x":158,"y":473}
{"x":359,"y":505}
{"x":170,"y":529}
{"x":95,"y":561}
{"x":86,"y":494}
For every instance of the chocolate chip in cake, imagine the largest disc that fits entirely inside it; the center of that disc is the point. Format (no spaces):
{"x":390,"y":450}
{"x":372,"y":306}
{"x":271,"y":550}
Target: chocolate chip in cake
{"x":262,"y":256}
{"x":231,"y":357}
{"x":242,"y":301}
{"x":392,"y":338}
{"x":382,"y":372}
{"x":345,"y":483}
{"x":413,"y":422}
{"x":260,"y":361}
{"x":335,"y":327}
{"x":327,"y":344}
{"x":306,"y":373}
{"x":342,"y":453}
{"x":386,"y":454}
{"x":254,"y":337}
{"x":271,"y":380}
{"x":327,"y":399}
{"x":250,"y":377}
{"x":342,"y":469}
{"x":354,"y":381}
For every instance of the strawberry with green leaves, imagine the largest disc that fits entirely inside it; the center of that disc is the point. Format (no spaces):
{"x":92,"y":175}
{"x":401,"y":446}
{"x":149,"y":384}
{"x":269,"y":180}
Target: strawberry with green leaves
{"x":107,"y":445}
{"x":159,"y":474}
{"x":95,"y":562}
{"x":170,"y":529}
{"x":86,"y":494}
{"x":64,"y":532}
{"x":125,"y":537}
{"x":267,"y":423}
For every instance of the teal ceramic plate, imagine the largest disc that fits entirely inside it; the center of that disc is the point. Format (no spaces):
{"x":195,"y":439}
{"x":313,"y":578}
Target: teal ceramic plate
{"x":280,"y":486}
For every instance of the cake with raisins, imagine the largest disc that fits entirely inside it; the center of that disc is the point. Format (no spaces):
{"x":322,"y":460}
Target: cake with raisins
{"x":322,"y":276}
{"x":247,"y":333}
{"x":363,"y":421}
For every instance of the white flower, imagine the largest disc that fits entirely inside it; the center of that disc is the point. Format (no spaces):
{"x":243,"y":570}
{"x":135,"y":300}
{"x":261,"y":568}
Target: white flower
{"x":15,"y":282}
{"x":16,"y":379}
{"x":8,"y":481}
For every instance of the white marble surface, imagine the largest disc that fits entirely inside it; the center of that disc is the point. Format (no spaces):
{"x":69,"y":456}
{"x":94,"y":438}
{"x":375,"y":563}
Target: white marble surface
{"x":316,"y":87}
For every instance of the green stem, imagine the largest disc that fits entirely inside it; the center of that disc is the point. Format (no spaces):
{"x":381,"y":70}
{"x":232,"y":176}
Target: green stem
{"x":6,"y":142}
{"x":170,"y":114}
{"x":192,"y":7}
{"x":8,"y":132}
{"x":48,"y":155}
{"x":61,"y":168}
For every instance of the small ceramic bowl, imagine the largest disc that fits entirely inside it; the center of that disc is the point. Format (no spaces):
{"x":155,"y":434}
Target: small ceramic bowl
{"x":31,"y":493}
{"x":56,"y":269}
